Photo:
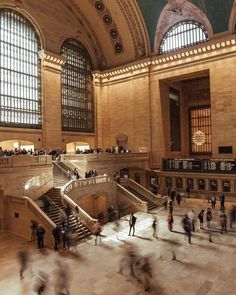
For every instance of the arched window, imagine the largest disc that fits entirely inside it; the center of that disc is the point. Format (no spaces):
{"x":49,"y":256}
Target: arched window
{"x":77,"y":88}
{"x":183,"y":34}
{"x":20,"y":97}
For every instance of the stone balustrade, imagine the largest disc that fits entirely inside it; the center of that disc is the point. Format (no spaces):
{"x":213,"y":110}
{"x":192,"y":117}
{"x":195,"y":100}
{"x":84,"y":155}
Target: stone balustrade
{"x":24,"y":160}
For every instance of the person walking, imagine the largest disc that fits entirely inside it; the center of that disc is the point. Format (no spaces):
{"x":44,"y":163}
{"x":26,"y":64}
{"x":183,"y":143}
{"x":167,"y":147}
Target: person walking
{"x":40,"y":232}
{"x":165,"y":201}
{"x":222,"y":202}
{"x":232,"y":216}
{"x":187,"y":227}
{"x":132,"y":221}
{"x":213,"y":202}
{"x":170,"y":220}
{"x":57,"y":237}
{"x":201,"y":218}
{"x":178,"y":199}
{"x":154,"y":226}
{"x":33,"y":228}
{"x":171,"y":206}
{"x":192,"y":217}
{"x":208,"y":217}
{"x":223,"y":222}
{"x":97,"y":232}
{"x":23,"y":258}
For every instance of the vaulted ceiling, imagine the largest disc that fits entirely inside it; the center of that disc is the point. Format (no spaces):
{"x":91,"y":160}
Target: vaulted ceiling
{"x":115,"y":32}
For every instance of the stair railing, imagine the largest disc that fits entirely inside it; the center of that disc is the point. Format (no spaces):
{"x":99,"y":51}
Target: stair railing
{"x":85,"y":218}
{"x":54,"y":204}
{"x":137,"y":203}
{"x":156,"y":199}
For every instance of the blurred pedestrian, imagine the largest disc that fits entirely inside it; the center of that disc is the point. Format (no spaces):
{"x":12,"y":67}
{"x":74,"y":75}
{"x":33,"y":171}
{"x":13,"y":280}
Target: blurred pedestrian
{"x":213,"y":202}
{"x":33,"y":228}
{"x":208,"y":217}
{"x":41,"y":283}
{"x":223,"y":222}
{"x":23,"y":258}
{"x":187,"y":227}
{"x":170,"y":220}
{"x":97,"y":229}
{"x":62,"y":279}
{"x":154,"y":226}
{"x":165,"y":201}
{"x":46,"y":204}
{"x":171,"y":206}
{"x":178,"y":199}
{"x":192,"y":217}
{"x":68,"y":213}
{"x":57,"y":236}
{"x":232,"y":216}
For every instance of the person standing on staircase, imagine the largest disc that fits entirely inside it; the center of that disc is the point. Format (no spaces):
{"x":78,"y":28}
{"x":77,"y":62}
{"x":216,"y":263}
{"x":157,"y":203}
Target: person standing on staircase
{"x":68,"y":213}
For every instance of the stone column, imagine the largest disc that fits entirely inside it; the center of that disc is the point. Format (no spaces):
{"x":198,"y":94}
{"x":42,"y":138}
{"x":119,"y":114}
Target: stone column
{"x":51,"y":100}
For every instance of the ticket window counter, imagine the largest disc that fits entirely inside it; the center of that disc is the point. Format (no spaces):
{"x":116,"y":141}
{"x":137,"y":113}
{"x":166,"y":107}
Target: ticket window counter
{"x":201,"y":184}
{"x":213,"y":185}
{"x":179,"y":183}
{"x":226,"y":186}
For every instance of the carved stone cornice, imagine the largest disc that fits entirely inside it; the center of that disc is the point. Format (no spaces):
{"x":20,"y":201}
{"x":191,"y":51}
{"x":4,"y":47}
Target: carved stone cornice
{"x":136,"y":26}
{"x":206,"y":52}
{"x":51,"y":61}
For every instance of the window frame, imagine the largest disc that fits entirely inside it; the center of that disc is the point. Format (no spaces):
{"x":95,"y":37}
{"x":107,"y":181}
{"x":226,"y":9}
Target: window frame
{"x":81,"y":80}
{"x":20,"y":102}
{"x":184,"y":37}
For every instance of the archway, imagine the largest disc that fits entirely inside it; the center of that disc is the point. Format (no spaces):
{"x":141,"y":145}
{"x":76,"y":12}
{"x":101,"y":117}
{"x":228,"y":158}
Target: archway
{"x":17,"y":144}
{"x":77,"y":147}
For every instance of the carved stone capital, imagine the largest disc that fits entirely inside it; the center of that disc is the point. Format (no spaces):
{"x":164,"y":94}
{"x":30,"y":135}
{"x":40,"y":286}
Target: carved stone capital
{"x":51,"y":60}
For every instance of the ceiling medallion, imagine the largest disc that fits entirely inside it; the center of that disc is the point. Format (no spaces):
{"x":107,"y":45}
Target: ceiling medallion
{"x":99,"y":5}
{"x":114,"y":33}
{"x":199,"y":137}
{"x":107,"y":19}
{"x":118,"y":47}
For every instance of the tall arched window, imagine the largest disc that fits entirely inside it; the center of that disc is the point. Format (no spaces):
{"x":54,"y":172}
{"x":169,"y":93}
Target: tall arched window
{"x":183,"y":34}
{"x":77,"y":88}
{"x":20,"y":96}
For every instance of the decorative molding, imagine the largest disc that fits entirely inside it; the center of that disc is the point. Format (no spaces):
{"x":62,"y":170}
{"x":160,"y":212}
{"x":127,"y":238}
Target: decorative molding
{"x":51,"y":60}
{"x":136,"y":27}
{"x":110,"y":25}
{"x":176,"y":11}
{"x":91,"y":33}
{"x":216,"y":49}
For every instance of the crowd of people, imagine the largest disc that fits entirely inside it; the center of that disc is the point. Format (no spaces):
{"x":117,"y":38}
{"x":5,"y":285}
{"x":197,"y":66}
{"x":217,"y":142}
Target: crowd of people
{"x":189,"y":220}
{"x":112,"y":150}
{"x":33,"y":152}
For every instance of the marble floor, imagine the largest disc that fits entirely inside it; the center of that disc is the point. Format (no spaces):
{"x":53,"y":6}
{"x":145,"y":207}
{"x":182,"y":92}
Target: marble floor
{"x":201,"y":267}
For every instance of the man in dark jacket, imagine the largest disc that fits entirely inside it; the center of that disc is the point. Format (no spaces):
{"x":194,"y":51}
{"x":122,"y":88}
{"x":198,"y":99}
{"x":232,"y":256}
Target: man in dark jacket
{"x":57,"y":236}
{"x":40,"y":232}
{"x":132,"y":222}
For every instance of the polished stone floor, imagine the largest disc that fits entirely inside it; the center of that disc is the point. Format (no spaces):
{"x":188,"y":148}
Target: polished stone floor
{"x":201,"y":268}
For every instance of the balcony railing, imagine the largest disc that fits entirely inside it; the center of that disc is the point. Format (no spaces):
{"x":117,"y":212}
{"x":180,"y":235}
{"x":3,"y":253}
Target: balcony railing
{"x":24,"y":160}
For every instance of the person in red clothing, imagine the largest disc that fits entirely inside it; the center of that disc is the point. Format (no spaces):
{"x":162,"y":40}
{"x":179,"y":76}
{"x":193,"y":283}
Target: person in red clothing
{"x":170,"y":220}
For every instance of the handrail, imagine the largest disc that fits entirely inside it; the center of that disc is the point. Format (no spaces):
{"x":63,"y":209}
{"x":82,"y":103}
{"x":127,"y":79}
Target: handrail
{"x":104,"y":155}
{"x":53,"y":203}
{"x":84,"y":216}
{"x":56,"y":164}
{"x":39,"y":212}
{"x":154,"y":198}
{"x":141,"y":205}
{"x":86,"y":182}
